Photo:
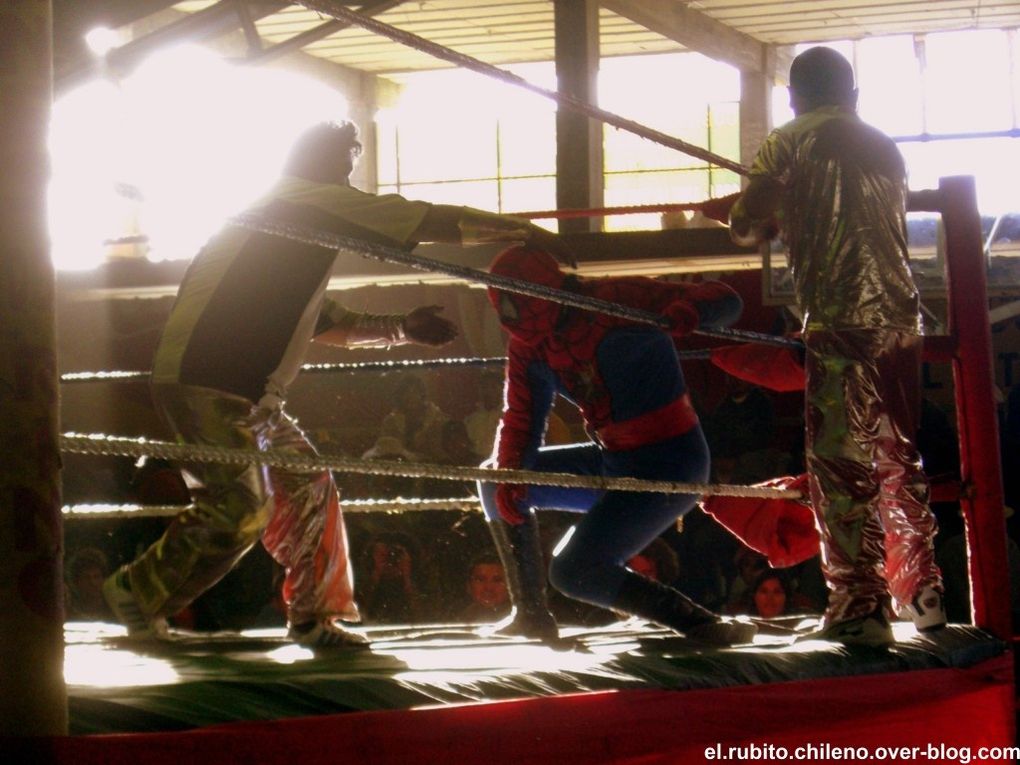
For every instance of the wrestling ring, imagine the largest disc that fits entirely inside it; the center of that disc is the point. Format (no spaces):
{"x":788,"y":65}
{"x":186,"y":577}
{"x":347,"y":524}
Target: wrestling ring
{"x":629,"y":692}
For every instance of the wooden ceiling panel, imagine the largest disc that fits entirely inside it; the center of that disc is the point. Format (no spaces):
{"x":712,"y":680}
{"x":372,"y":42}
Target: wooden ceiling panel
{"x":517,"y":31}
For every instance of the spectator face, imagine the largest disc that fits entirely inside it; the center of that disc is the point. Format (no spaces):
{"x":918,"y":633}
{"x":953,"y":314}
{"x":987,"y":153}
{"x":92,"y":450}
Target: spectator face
{"x":486,"y":585}
{"x":770,"y":598}
{"x":644,"y":566}
{"x":89,"y":583}
{"x":391,"y":561}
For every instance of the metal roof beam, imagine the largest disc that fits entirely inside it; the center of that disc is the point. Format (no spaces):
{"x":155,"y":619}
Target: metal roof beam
{"x":300,"y":40}
{"x":700,"y":32}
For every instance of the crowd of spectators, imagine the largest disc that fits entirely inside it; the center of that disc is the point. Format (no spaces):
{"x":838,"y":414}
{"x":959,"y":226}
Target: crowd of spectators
{"x":439,"y":566}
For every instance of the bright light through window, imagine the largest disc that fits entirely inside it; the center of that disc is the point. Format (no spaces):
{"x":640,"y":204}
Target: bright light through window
{"x":968,"y":81}
{"x":994,"y":163}
{"x":889,"y":85}
{"x":496,"y":146}
{"x":199,"y":137}
{"x":102,"y":40}
{"x":966,"y":89}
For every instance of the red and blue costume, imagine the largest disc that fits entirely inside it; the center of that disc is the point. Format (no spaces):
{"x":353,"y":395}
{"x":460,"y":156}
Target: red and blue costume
{"x":627,"y":381}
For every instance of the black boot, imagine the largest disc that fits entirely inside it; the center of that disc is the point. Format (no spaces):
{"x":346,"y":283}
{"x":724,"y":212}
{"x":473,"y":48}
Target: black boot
{"x":668,"y":607}
{"x":520,"y":551}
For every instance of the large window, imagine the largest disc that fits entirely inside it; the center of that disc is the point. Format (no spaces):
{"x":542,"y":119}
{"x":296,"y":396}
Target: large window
{"x":200,"y":138}
{"x":458,"y":137}
{"x":950,"y":100}
{"x":462,"y":138}
{"x":685,"y":95}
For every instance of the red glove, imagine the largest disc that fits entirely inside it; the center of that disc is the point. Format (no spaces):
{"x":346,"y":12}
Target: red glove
{"x":719,"y":209}
{"x":683,"y":318}
{"x":509,"y":499}
{"x":778,"y":369}
{"x":783,"y":530}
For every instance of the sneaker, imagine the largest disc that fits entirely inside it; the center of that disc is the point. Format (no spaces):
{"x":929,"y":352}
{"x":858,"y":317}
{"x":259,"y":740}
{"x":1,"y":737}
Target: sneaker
{"x":871,"y":629}
{"x":117,"y":593}
{"x":325,"y":633}
{"x":723,"y":632}
{"x":927,"y":610}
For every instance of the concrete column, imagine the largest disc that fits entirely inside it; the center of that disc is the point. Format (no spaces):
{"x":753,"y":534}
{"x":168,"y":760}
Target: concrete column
{"x":579,"y":179}
{"x":33,"y":698}
{"x":755,"y":113}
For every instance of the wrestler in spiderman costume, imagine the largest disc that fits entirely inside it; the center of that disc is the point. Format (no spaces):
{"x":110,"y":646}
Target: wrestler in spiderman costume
{"x":627,"y":382}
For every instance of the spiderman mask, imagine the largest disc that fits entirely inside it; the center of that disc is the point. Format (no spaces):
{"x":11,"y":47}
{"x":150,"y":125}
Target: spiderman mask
{"x":529,"y":319}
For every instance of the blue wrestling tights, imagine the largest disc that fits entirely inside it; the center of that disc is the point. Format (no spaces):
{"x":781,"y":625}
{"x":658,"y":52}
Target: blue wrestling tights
{"x":589,"y":562}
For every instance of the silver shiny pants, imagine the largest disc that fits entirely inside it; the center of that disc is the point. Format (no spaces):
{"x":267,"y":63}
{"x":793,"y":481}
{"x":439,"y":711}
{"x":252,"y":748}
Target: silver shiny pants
{"x":296,"y":514}
{"x":870,"y":496}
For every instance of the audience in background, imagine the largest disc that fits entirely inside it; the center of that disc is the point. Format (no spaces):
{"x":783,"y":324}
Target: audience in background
{"x":412,"y":567}
{"x":389,"y":590}
{"x":87,"y":568}
{"x":488,"y":598}
{"x":414,"y":421}
{"x":482,"y":421}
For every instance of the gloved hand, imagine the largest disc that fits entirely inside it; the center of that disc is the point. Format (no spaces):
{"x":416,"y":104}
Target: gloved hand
{"x":683,"y":318}
{"x":424,"y":326}
{"x":510,"y":498}
{"x":553,"y":244}
{"x":719,"y":209}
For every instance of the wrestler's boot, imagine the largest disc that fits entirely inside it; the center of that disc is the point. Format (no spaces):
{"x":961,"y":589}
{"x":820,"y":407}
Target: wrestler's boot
{"x":520,"y":551}
{"x":668,"y":607}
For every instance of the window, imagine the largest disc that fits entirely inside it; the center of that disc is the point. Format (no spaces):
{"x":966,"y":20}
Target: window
{"x":495,"y":145}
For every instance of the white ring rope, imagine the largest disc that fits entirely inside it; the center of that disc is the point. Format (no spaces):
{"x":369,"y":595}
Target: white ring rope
{"x":350,"y":367}
{"x":399,"y":505}
{"x":141,"y":447}
{"x":345,"y":367}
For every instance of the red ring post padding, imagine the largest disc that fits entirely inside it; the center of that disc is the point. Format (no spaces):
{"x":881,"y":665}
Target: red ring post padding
{"x":977,"y":421}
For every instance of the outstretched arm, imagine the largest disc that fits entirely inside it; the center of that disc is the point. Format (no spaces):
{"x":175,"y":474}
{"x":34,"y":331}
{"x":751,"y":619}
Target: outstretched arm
{"x":342,"y":327}
{"x":466,"y":225}
{"x":688,"y":306}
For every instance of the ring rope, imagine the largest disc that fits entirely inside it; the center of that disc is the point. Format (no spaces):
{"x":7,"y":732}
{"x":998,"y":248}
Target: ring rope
{"x":134,"y":193}
{"x":595,"y":212}
{"x":399,"y":505}
{"x":345,"y":367}
{"x":102,"y":444}
{"x":104,"y":376}
{"x":334,"y":241}
{"x":569,"y":212}
{"x":341,"y":367}
{"x":337,"y":11}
